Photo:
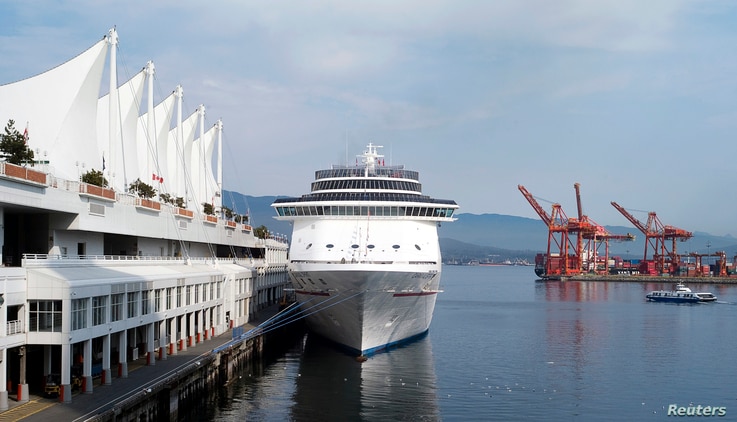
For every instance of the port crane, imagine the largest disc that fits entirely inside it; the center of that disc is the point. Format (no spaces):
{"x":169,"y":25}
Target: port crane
{"x":558,"y":261}
{"x":656,"y":236}
{"x":590,"y":237}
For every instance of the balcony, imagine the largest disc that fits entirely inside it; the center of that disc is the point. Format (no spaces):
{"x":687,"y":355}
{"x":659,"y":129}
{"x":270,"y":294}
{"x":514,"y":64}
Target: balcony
{"x":231,"y":224}
{"x":14,"y":327}
{"x":211,"y":219}
{"x":246,"y":228}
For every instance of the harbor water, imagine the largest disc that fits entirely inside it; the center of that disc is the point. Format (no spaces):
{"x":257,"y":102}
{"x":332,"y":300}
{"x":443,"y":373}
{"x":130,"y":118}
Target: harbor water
{"x":503,"y":346}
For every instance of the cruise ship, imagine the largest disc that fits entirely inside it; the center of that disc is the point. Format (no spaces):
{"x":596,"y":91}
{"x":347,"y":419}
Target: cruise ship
{"x":364,"y":257}
{"x":97,"y":275}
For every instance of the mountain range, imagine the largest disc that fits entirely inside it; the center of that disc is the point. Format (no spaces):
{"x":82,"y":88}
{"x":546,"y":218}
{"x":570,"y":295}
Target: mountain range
{"x":493,"y":237}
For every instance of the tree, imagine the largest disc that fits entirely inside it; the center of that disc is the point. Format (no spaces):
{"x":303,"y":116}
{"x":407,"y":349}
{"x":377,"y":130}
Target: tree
{"x":94,"y":177}
{"x":142,"y":189}
{"x":261,"y":232}
{"x":13,"y":146}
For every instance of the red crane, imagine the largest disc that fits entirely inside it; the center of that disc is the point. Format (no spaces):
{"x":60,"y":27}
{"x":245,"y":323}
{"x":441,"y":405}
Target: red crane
{"x":656,"y":235}
{"x":590,"y":238}
{"x":557,"y":260}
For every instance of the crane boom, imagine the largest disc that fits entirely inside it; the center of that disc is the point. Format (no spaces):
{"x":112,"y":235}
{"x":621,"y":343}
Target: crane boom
{"x":547,"y":219}
{"x":641,"y":227}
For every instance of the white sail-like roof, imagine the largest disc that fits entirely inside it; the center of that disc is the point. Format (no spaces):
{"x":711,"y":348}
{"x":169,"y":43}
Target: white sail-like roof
{"x":187,"y":127}
{"x":202,"y":175}
{"x":76,"y":131}
{"x":121,"y":154}
{"x":60,"y":108}
{"x":157,"y":150}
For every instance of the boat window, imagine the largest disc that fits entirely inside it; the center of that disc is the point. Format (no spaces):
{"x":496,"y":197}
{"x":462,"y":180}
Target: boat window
{"x":418,"y":247}
{"x":329,"y":246}
{"x":309,"y":246}
{"x":395,"y":246}
{"x":354,"y":246}
{"x":370,"y":246}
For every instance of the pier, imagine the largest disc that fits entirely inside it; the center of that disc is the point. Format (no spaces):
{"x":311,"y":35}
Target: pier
{"x":166,"y":390}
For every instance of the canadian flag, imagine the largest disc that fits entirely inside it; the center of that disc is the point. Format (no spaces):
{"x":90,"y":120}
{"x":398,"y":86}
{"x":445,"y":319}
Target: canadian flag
{"x":157,"y":178}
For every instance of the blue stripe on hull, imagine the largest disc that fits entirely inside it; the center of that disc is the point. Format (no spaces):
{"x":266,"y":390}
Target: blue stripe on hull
{"x":378,"y":349}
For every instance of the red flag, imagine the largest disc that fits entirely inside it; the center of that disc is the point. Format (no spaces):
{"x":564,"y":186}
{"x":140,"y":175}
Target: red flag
{"x":153,"y":176}
{"x":25,"y":133}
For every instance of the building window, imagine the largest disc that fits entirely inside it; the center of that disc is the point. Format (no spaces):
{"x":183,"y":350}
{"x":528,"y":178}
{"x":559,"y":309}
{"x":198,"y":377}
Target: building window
{"x":79,"y":313}
{"x":45,"y":315}
{"x":219,"y":288}
{"x":145,"y":302}
{"x":157,"y":300}
{"x":116,"y":307}
{"x":179,"y":296}
{"x":196,"y":293}
{"x":132,"y":304}
{"x":212,"y":291}
{"x":187,"y":296}
{"x":169,"y":292}
{"x":98,"y":310}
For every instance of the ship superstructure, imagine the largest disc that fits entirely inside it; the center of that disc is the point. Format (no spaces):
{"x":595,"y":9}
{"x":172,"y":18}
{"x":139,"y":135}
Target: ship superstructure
{"x":364,"y":258}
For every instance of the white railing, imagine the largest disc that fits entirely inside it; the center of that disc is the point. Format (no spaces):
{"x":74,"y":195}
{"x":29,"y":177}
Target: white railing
{"x":14,"y":327}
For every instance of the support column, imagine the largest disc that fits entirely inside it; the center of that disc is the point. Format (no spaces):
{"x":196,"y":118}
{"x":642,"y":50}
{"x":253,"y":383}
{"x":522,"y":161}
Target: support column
{"x":150,"y":357}
{"x":206,"y":322}
{"x":87,"y":367}
{"x":22,"y":385}
{"x":123,"y":352}
{"x":182,"y":319}
{"x":65,"y":388}
{"x":173,"y":336}
{"x":107,"y":377}
{"x":3,"y":376}
{"x":163,"y":345}
{"x":190,"y":328}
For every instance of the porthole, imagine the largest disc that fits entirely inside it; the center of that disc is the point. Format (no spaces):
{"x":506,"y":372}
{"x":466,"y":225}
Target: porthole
{"x":370,"y":246}
{"x":395,"y":246}
{"x":309,"y":246}
{"x":329,"y":246}
{"x":354,"y":246}
{"x":418,"y":247}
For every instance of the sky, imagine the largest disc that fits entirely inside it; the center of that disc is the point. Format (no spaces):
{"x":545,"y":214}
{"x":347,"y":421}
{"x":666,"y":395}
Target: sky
{"x":636,"y":101}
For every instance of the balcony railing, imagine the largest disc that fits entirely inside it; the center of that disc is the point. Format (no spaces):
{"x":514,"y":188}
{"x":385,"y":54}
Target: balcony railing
{"x":14,"y":327}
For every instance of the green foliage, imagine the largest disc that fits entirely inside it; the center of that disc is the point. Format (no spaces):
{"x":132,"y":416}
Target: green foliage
{"x":95,"y":177}
{"x":208,"y":208}
{"x":261,"y":232}
{"x":13,"y":147}
{"x":228,"y":212}
{"x":178,"y":201}
{"x":142,"y":189}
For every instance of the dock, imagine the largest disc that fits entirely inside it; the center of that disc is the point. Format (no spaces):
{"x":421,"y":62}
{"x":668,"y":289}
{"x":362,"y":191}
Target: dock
{"x":125,"y":398}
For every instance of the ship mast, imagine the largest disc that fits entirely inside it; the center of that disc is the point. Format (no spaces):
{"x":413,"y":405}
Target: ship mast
{"x":370,"y":158}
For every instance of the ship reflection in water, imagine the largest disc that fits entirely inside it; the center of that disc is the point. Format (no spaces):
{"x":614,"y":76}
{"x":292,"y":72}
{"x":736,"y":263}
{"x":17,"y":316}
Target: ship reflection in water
{"x":395,"y":385}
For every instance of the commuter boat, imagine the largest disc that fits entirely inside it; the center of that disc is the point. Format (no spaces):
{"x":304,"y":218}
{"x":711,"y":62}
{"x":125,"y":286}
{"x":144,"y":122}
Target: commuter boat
{"x":364,"y":258}
{"x":681,"y":294}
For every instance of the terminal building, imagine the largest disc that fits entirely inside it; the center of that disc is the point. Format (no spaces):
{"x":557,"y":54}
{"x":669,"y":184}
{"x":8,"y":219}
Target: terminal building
{"x":97,"y":275}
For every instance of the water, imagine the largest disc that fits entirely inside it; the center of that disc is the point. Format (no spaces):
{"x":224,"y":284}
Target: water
{"x":505,"y":347}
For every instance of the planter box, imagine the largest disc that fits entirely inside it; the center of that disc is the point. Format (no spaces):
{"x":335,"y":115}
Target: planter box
{"x":231,"y":224}
{"x":211,"y":219}
{"x":88,"y":190}
{"x":148,"y":204}
{"x":23,"y":174}
{"x":246,"y":228}
{"x":181,"y":212}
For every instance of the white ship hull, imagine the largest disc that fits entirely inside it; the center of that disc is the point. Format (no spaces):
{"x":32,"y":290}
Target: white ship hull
{"x":367,"y":307}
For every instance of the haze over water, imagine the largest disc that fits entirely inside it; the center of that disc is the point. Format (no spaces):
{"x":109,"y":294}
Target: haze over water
{"x":505,"y":347}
